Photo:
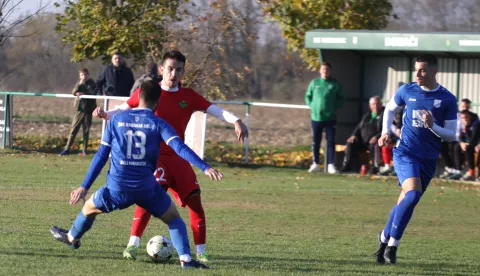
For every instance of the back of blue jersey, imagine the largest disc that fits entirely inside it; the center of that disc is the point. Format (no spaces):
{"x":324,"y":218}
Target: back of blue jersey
{"x":416,"y":138}
{"x":134,"y":137}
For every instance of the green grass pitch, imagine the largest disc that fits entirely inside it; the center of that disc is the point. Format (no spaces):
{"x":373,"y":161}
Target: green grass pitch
{"x":261,"y":221}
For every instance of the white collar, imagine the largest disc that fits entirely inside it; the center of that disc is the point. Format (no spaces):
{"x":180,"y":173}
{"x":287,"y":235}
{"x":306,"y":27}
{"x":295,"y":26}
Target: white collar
{"x":432,"y":90}
{"x":166,"y":88}
{"x":141,"y":108}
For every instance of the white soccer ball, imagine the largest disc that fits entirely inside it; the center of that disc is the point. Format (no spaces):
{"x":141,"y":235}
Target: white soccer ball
{"x":160,"y":249}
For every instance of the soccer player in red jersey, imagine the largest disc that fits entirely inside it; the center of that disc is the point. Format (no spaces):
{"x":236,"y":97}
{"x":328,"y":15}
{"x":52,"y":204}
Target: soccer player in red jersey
{"x":176,"y":106}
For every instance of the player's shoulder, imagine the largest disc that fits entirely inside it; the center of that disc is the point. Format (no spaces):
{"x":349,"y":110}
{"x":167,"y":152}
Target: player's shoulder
{"x":446,"y":93}
{"x":187,"y":90}
{"x":409,"y":86}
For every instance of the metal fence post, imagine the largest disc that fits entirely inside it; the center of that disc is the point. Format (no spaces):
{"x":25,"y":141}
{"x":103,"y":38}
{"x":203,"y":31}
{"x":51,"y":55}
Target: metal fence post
{"x":247,"y":123}
{"x":104,"y":122}
{"x":4,"y":142}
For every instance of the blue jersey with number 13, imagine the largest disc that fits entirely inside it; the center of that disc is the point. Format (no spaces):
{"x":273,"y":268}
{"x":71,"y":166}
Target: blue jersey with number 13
{"x":134,"y":137}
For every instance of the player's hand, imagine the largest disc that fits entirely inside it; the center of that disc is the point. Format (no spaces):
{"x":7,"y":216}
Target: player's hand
{"x":78,"y":93}
{"x":241,"y":130}
{"x":373,"y":141}
{"x":77,"y":194}
{"x":384,"y":140}
{"x":427,"y":118}
{"x":463,"y":146}
{"x":99,"y":113}
{"x":214,"y":174}
{"x":351,"y":139}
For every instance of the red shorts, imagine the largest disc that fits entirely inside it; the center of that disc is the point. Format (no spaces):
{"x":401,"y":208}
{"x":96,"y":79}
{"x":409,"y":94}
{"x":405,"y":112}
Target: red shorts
{"x":176,"y":174}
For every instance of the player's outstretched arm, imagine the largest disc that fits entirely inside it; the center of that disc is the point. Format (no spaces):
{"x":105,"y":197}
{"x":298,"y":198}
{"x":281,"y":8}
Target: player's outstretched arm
{"x":98,"y":162}
{"x":240,"y":128}
{"x":188,"y":154}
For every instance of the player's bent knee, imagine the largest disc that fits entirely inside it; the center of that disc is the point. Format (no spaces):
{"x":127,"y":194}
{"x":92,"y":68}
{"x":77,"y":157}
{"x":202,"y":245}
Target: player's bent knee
{"x":412,"y":183}
{"x":194,"y":193}
{"x":89,"y":209}
{"x":171,"y":214}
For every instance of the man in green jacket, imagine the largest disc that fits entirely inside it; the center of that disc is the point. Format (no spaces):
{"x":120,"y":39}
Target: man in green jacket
{"x":324,"y":97}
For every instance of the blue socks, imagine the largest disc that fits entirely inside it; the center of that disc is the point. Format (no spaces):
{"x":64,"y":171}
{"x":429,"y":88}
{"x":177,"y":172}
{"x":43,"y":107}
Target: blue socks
{"x":179,"y":236}
{"x":388,"y":226}
{"x":80,"y":226}
{"x":403,"y":213}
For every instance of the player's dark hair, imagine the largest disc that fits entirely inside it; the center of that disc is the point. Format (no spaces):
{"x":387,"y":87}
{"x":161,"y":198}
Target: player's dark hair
{"x":117,"y":53}
{"x":175,"y":55}
{"x":467,"y":101}
{"x":150,"y":91}
{"x":428,"y":58}
{"x":326,"y":64}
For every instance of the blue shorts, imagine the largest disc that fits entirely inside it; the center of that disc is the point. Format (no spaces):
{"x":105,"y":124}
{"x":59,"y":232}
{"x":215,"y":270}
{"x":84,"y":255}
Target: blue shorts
{"x":155,"y":200}
{"x":408,"y":166}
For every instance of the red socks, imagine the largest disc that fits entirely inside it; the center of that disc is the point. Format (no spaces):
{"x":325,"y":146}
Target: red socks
{"x":140,"y":221}
{"x":387,"y":155}
{"x":197,"y":219}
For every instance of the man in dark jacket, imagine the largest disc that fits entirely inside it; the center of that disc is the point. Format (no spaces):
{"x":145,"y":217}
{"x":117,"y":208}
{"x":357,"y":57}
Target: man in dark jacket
{"x":365,"y":136}
{"x":116,"y":79}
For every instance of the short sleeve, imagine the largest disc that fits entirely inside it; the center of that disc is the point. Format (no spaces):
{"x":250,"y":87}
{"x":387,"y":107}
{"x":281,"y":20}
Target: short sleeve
{"x":134,"y":99}
{"x":451,"y":110}
{"x":107,"y":134}
{"x":166,"y":131}
{"x":399,"y":96}
{"x":201,"y":104}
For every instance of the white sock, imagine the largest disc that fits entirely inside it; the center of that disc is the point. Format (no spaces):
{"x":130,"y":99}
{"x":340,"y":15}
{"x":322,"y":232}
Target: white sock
{"x":383,"y":239}
{"x":201,"y":248}
{"x":70,"y":237}
{"x":134,"y":240}
{"x":393,"y":242}
{"x":185,"y":258}
{"x":387,"y":166}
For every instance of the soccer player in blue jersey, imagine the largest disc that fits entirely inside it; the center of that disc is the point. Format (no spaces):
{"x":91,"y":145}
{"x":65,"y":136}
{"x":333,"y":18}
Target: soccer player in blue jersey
{"x":430,"y":116}
{"x":133,"y":138}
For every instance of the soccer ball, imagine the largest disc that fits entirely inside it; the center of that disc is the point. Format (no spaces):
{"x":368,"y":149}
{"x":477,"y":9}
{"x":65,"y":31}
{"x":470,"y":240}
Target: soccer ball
{"x":160,"y":249}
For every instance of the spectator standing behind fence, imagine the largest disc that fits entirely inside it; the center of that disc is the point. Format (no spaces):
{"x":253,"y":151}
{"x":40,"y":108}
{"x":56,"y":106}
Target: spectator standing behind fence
{"x":116,"y":79}
{"x":151,"y":73}
{"x":324,"y":96}
{"x":365,"y":137}
{"x":83,"y":111}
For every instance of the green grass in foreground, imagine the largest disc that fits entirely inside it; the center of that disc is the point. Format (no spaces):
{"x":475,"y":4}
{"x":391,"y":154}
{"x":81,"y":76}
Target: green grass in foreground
{"x":262,"y":221}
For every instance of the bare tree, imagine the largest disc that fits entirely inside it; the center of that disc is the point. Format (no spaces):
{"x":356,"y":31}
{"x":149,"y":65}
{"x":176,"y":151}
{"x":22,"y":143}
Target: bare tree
{"x":9,"y":23}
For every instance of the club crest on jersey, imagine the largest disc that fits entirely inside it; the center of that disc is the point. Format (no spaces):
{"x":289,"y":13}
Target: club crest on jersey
{"x":182,"y":104}
{"x":137,"y":119}
{"x":437,"y":103}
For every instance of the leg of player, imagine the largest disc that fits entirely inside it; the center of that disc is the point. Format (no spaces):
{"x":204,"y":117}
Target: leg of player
{"x":80,"y":226}
{"x":384,"y":236}
{"x":412,"y":190}
{"x":198,"y":224}
{"x":179,"y":236}
{"x":139,"y":224}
